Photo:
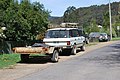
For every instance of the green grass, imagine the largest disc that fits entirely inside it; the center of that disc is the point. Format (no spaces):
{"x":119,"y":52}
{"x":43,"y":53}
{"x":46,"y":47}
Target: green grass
{"x":9,"y":60}
{"x":6,"y":60}
{"x":115,"y":39}
{"x":92,"y":43}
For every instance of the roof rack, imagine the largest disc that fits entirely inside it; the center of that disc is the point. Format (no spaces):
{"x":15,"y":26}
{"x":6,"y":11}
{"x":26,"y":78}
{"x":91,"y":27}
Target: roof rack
{"x":64,"y":25}
{"x":69,"y":25}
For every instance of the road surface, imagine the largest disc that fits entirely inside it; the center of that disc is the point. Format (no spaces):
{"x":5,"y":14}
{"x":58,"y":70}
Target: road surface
{"x":100,"y":64}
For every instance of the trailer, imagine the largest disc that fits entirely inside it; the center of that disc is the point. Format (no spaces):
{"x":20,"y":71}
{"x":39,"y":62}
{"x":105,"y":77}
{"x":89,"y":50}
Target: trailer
{"x":37,"y":48}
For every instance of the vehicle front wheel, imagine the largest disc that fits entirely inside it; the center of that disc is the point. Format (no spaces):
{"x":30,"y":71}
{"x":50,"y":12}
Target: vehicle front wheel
{"x":55,"y":56}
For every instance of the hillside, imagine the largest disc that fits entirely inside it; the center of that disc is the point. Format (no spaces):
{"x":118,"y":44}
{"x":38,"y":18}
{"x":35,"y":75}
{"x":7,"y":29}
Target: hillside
{"x":85,"y":15}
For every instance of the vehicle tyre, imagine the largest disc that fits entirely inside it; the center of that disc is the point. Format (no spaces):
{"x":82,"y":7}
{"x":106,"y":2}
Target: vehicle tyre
{"x":82,"y":48}
{"x":74,"y":50}
{"x":24,"y":57}
{"x":100,"y":40}
{"x":87,"y":41}
{"x":55,"y":56}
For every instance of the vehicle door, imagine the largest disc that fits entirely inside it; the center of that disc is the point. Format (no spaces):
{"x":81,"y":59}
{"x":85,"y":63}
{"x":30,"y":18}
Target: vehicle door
{"x":81,"y":36}
{"x":74,"y":36}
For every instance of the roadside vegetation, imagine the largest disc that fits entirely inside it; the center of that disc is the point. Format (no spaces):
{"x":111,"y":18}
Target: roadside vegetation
{"x":115,"y":39}
{"x":23,"y":20}
{"x":6,"y":60}
{"x":9,"y":60}
{"x":92,"y":43}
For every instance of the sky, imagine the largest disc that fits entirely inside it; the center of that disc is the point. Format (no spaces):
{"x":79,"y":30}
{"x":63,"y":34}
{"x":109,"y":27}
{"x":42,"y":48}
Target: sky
{"x":58,"y":7}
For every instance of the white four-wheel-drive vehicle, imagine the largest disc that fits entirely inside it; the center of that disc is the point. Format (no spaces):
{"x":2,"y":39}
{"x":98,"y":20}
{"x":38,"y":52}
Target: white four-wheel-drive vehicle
{"x":56,"y":40}
{"x":65,"y":39}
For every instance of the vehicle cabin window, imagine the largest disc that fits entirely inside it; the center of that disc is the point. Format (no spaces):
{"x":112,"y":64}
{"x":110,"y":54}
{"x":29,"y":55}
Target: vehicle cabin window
{"x":57,"y":34}
{"x":74,"y":33}
{"x":80,"y":32}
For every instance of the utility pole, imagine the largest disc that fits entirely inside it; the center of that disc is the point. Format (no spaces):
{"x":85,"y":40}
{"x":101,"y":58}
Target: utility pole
{"x":110,"y":20}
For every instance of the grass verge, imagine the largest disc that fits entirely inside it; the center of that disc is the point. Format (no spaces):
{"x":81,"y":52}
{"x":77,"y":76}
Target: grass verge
{"x":9,"y":60}
{"x":92,"y":43}
{"x":115,"y":39}
{"x":6,"y":60}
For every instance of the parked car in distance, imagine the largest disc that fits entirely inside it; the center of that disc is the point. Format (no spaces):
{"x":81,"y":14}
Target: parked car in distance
{"x":94,"y":36}
{"x":97,"y":36}
{"x":103,"y":37}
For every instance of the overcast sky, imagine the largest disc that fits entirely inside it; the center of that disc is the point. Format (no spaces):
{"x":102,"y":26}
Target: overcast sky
{"x":58,"y":7}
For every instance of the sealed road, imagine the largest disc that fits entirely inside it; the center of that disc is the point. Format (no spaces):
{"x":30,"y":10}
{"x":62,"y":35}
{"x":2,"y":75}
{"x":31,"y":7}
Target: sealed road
{"x":100,"y":64}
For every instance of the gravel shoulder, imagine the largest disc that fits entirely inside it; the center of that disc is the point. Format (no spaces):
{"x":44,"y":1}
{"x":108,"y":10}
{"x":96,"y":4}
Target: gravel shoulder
{"x":24,"y":69}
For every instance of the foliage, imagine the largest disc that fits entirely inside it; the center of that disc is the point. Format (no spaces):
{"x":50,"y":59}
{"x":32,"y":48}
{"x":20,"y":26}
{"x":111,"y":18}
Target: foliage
{"x":8,"y":59}
{"x":106,"y":24}
{"x":2,"y":35}
{"x":70,"y":14}
{"x":116,"y":39}
{"x":23,"y":20}
{"x":94,"y":26}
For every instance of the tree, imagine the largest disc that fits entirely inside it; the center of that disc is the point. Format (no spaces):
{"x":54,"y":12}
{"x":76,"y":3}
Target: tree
{"x":94,"y":26}
{"x":70,"y":14}
{"x":23,"y":20}
{"x":106,"y":25}
{"x":2,"y":35}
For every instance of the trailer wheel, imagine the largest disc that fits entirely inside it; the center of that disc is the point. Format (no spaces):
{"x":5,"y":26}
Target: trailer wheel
{"x":55,"y":56}
{"x":24,"y":57}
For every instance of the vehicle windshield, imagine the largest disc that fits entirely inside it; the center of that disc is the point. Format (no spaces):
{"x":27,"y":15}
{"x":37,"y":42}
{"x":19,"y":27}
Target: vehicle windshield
{"x":94,"y":34}
{"x":57,"y":34}
{"x":103,"y":34}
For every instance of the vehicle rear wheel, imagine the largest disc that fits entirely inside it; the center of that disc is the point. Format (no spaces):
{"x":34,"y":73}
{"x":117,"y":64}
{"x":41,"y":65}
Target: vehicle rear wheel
{"x":24,"y":57}
{"x":55,"y":56}
{"x":74,"y":50}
